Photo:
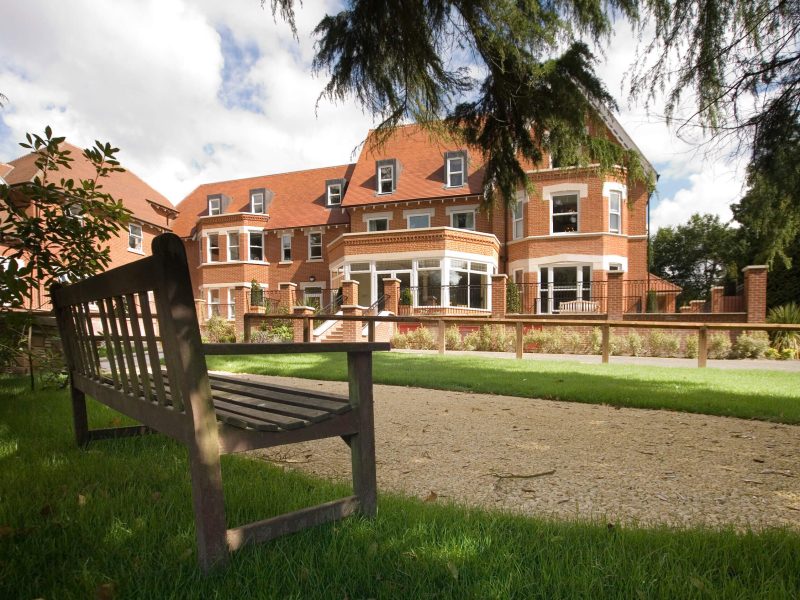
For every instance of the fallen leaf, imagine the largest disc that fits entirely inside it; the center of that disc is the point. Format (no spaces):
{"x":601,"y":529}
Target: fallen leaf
{"x":453,"y":570}
{"x":156,"y":496}
{"x":431,"y":497}
{"x":81,"y":500}
{"x":104,"y":591}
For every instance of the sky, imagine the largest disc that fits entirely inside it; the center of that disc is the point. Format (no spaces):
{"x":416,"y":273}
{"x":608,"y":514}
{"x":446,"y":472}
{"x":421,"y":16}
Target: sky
{"x":196,"y":91}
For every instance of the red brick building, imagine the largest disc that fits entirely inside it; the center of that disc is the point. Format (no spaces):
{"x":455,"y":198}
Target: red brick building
{"x":409,"y":209}
{"x":152,"y":213}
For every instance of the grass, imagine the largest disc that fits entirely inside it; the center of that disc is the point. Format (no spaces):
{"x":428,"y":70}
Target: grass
{"x":115,"y":521}
{"x":764,"y":395}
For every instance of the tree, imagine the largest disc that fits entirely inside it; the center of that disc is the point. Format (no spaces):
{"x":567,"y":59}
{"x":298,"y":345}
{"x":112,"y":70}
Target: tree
{"x":695,"y":256}
{"x":54,"y":228}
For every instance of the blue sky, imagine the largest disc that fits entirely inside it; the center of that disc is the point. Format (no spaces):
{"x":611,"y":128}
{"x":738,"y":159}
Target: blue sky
{"x":199,"y":91}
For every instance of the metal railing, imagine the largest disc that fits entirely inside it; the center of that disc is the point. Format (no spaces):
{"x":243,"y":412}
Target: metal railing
{"x":551,"y":298}
{"x":451,"y":296}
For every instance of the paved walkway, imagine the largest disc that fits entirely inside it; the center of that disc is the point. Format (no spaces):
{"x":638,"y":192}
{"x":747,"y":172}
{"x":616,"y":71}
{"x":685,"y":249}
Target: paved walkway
{"x":792,"y":366}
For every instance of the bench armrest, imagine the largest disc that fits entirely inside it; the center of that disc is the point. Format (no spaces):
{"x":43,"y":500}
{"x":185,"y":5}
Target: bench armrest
{"x":293,"y":348}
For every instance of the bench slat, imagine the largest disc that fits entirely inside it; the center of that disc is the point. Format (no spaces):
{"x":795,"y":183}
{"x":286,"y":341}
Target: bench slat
{"x":243,"y":422}
{"x":269,"y":404}
{"x":258,"y":414}
{"x":333,"y":398}
{"x":287,"y":396}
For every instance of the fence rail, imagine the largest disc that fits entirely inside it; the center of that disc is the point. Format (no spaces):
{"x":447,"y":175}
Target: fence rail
{"x":519,"y":324}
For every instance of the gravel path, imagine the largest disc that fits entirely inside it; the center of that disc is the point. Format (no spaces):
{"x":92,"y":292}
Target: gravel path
{"x":570,"y":460}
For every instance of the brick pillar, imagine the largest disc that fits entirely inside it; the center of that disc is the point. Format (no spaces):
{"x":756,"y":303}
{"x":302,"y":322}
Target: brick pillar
{"x":685,"y":309}
{"x":350,"y":292}
{"x":288,"y":296}
{"x":499,"y":283}
{"x":716,"y":298}
{"x":697,"y":305}
{"x":615,"y":296}
{"x":351,"y":330}
{"x":755,"y":293}
{"x":297,"y":324}
{"x":391,"y":287}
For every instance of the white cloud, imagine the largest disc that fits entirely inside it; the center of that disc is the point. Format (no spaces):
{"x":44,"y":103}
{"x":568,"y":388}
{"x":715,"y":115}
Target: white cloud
{"x":147,"y":75}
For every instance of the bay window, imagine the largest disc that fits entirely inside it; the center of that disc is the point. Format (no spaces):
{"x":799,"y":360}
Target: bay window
{"x":615,"y":212}
{"x":213,"y":247}
{"x":256,"y":246}
{"x":565,"y":213}
{"x":233,"y":245}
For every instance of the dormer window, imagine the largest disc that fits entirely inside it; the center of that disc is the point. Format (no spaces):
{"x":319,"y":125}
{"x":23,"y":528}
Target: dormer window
{"x":257,"y":202}
{"x":214,"y":205}
{"x":387,"y":176}
{"x":334,"y":190}
{"x":455,"y":167}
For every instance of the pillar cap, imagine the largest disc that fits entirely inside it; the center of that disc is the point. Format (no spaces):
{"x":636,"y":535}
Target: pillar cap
{"x":304,"y":308}
{"x":717,"y":287}
{"x":391,"y":279}
{"x":352,"y":306}
{"x":500,"y":276}
{"x":755,"y":267}
{"x":284,"y":284}
{"x":349,"y":281}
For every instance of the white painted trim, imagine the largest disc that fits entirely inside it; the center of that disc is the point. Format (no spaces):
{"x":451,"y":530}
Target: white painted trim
{"x":246,"y":284}
{"x":307,"y":284}
{"x":224,"y":230}
{"x":582,"y":189}
{"x":615,"y":186}
{"x":418,"y":211}
{"x":236,"y":262}
{"x":367,"y":217}
{"x":598,"y":262}
{"x":558,"y":236}
{"x":459,"y":209}
{"x":395,"y":231}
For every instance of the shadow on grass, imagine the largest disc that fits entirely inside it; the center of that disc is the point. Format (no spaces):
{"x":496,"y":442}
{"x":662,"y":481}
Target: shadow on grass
{"x":768,"y":396}
{"x":119,"y":515}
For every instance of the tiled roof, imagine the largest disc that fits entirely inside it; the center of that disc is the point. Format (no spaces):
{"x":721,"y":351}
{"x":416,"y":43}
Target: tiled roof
{"x":298,"y":199}
{"x":136,"y":195}
{"x":421,"y":173}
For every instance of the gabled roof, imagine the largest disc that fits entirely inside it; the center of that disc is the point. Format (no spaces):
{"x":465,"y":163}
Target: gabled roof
{"x":143,"y":201}
{"x":421,"y":168}
{"x":298,"y":199}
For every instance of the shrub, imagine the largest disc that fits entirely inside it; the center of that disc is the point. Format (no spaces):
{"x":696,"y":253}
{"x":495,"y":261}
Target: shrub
{"x":545,"y":341}
{"x":660,"y":343}
{"x":452,"y":338}
{"x":691,"y":346}
{"x":219,"y":330}
{"x":406,"y":297}
{"x":275,"y":333}
{"x":399,"y":340}
{"x":420,"y":339}
{"x":490,"y":338}
{"x":772,"y":354}
{"x":633,"y":344}
{"x":750,"y":345}
{"x":719,"y":345}
{"x":595,"y":341}
{"x":572,"y":342}
{"x":788,"y":314}
{"x":513,"y":299}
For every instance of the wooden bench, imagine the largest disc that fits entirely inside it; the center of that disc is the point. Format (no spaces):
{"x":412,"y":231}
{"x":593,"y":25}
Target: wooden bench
{"x":579,"y":306}
{"x":146,"y":313}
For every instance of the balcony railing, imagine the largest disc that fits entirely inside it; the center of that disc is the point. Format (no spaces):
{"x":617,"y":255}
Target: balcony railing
{"x":475,"y":297}
{"x":573,"y":298}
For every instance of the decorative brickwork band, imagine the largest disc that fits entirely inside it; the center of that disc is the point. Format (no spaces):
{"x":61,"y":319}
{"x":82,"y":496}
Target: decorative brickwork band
{"x":499,"y":283}
{"x":755,"y":293}
{"x":391,"y":287}
{"x":615,"y":299}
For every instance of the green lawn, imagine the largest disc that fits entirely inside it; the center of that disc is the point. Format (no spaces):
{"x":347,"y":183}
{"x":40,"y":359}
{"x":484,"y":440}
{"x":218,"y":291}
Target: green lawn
{"x":115,"y":521}
{"x":765,"y":395}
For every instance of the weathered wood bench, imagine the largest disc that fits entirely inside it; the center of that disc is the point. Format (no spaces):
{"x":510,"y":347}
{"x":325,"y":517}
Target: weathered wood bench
{"x":579,"y":306}
{"x":146,"y":313}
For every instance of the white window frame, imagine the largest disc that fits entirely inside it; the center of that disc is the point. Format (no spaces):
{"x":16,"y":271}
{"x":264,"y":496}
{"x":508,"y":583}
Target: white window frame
{"x":453,"y":215}
{"x":210,"y":300}
{"x":286,"y":244}
{"x":615,"y":195}
{"x":138,"y":246}
{"x":311,"y":246}
{"x":250,"y":246}
{"x":518,"y":221}
{"x":231,"y":304}
{"x":214,"y":206}
{"x":375,"y":220}
{"x":208,"y":247}
{"x":451,"y":171}
{"x":381,"y":180}
{"x":235,"y":235}
{"x":338,"y":194}
{"x":253,"y":201}
{"x":577,"y":212}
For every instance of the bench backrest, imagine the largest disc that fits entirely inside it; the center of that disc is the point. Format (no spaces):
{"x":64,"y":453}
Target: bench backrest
{"x":141,"y":311}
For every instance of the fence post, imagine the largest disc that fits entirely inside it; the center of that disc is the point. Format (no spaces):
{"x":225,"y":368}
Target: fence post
{"x":615,"y":304}
{"x":606,"y":341}
{"x":306,"y":329}
{"x":755,"y":293}
{"x":371,"y":331}
{"x":519,"y":345}
{"x":300,"y":327}
{"x":702,"y":347}
{"x":499,"y":283}
{"x":442,"y":343}
{"x":247,"y":325}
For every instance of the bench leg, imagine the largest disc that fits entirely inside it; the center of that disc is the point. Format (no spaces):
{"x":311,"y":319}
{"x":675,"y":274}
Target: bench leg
{"x":209,"y":510}
{"x":79,"y":420}
{"x":362,"y":444}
